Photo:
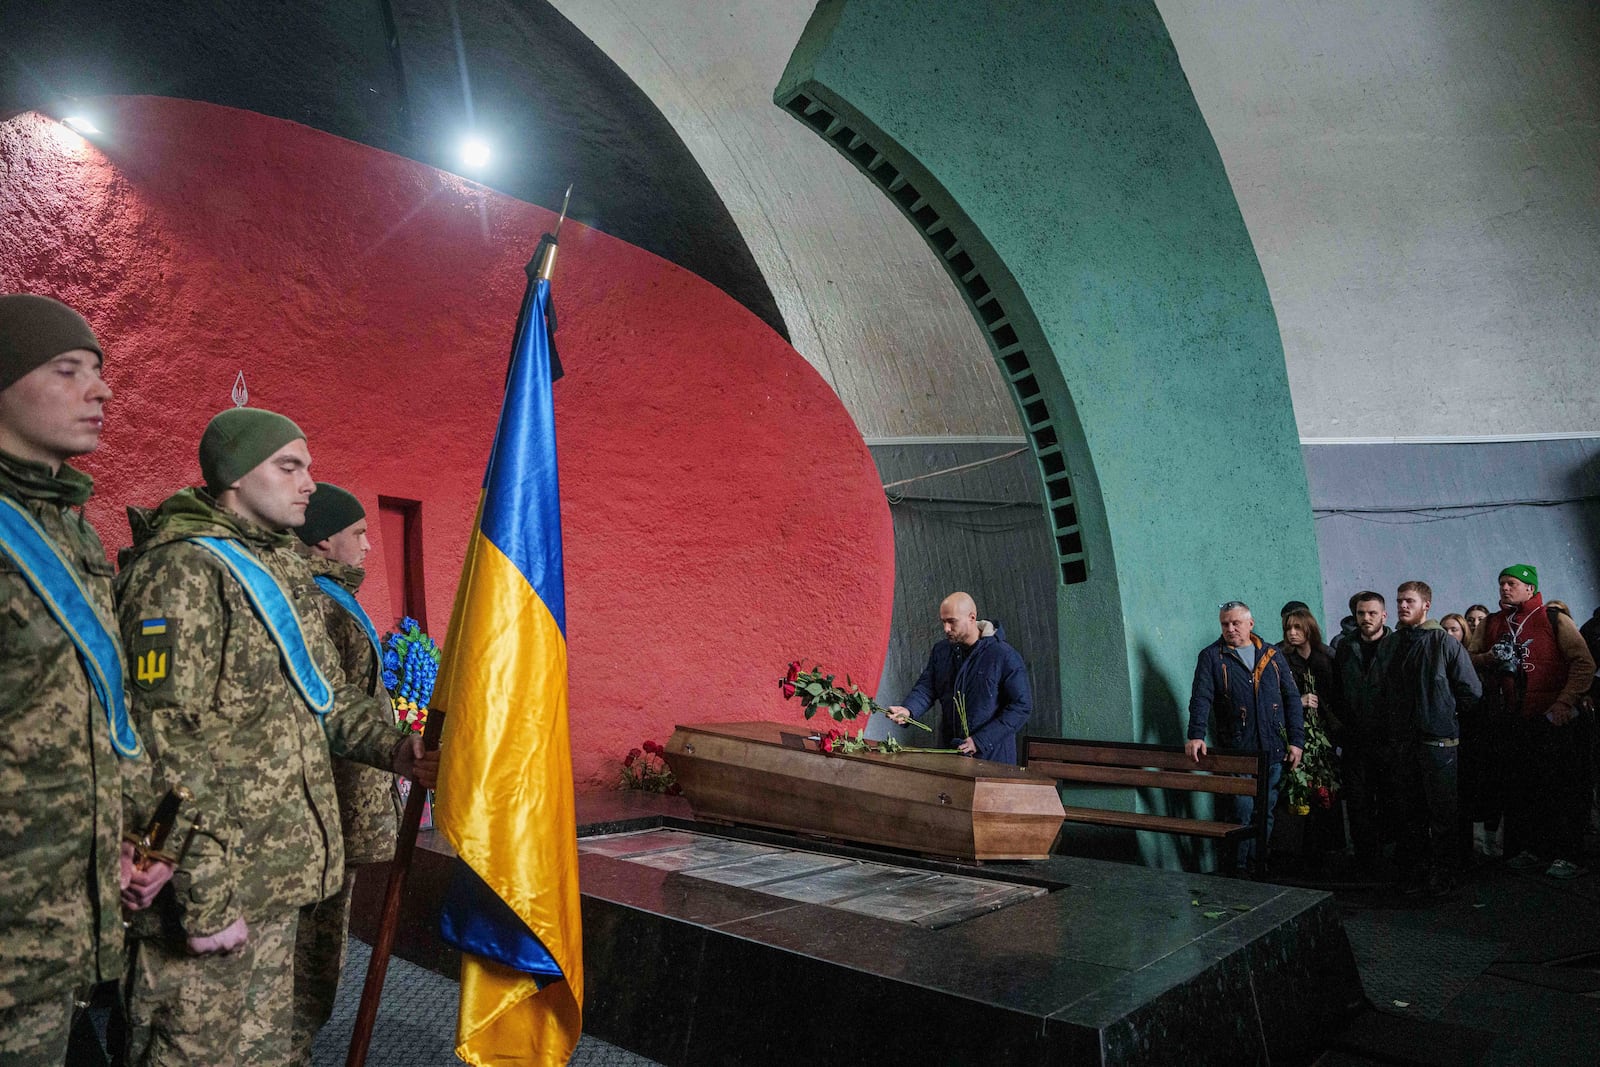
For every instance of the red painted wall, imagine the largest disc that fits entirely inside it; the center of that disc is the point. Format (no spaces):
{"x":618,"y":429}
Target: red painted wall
{"x":721,"y":513}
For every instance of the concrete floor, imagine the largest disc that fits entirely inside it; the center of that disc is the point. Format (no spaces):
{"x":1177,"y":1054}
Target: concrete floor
{"x":417,"y":1021}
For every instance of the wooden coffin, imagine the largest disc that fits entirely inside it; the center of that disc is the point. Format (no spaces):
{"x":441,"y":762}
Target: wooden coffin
{"x":933,"y":803}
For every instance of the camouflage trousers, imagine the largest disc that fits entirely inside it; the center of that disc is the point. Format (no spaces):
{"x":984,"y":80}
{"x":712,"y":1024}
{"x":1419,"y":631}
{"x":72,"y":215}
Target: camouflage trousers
{"x":222,"y":1010}
{"x":319,"y":948}
{"x":35,"y":1035}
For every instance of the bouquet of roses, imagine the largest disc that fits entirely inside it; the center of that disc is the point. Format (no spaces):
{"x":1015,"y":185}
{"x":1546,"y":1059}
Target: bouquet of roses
{"x":410,"y":667}
{"x":644,"y":768}
{"x":1316,"y":780}
{"x":817,"y":692}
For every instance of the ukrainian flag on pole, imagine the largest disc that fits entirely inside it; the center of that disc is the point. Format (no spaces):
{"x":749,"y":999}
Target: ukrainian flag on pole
{"x":505,"y":777}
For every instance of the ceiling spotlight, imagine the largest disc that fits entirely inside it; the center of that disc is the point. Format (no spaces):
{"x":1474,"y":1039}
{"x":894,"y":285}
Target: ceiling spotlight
{"x":81,"y":124}
{"x":475,"y":152}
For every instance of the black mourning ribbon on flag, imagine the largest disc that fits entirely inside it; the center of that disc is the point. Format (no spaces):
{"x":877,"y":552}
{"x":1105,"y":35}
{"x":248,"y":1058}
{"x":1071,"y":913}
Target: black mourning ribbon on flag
{"x":532,"y":270}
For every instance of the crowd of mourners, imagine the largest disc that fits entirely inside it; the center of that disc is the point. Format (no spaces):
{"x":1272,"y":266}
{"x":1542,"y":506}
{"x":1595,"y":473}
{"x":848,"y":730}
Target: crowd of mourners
{"x":1440,"y":744}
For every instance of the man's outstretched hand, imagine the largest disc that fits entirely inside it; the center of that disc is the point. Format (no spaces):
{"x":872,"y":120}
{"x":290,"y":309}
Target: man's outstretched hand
{"x":899,"y":715}
{"x":412,"y":761}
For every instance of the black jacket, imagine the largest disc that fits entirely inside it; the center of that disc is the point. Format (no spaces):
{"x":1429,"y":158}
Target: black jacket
{"x":1431,"y":682}
{"x":1360,"y":684}
{"x":1315,"y":675}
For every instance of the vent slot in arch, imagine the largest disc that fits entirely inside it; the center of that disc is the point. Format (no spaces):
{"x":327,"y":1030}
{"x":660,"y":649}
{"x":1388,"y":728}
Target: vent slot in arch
{"x":987,"y":308}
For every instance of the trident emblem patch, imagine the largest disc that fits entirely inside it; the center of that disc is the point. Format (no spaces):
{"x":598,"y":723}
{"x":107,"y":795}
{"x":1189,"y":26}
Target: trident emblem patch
{"x":152,"y":668}
{"x":151,"y":650}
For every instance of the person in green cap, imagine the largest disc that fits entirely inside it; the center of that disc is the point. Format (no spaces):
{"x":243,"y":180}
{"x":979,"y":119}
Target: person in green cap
{"x":240,"y":696}
{"x":1538,"y":669}
{"x":63,"y":712}
{"x":335,"y":537}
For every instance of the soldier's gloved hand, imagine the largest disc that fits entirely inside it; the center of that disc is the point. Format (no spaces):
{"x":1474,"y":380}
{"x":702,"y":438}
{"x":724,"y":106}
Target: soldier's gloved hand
{"x":231,"y":937}
{"x":413,"y":761}
{"x":139,"y":887}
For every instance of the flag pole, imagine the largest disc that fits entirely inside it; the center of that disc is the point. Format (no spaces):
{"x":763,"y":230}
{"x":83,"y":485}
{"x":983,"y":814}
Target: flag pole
{"x":541,"y":268}
{"x":383,"y":944}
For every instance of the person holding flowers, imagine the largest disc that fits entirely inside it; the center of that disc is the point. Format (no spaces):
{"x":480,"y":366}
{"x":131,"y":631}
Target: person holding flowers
{"x":1311,"y":664}
{"x":241,"y":698}
{"x":978,"y":681}
{"x":335,"y":537}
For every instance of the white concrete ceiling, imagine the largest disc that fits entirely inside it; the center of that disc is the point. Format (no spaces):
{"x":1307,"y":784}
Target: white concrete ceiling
{"x":1421,"y":181}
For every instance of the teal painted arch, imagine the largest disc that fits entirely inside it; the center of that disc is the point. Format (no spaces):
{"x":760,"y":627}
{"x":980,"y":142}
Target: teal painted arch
{"x":1055,"y":159}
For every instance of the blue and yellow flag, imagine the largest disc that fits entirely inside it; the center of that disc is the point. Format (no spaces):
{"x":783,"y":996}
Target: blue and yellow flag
{"x":505,"y":777}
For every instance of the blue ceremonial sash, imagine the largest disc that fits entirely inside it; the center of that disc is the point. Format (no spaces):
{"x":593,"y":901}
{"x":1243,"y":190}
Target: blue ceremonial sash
{"x":57,"y":584}
{"x":277,"y":614}
{"x":341,"y":596}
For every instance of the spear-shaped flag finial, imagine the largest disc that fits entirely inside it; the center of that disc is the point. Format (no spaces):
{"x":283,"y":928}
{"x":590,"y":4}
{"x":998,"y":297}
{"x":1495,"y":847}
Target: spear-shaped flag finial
{"x":543,"y":264}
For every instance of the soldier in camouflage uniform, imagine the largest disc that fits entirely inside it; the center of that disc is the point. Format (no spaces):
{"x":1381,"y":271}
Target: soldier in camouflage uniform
{"x":229,"y":707}
{"x":60,"y":794}
{"x":335,"y":535}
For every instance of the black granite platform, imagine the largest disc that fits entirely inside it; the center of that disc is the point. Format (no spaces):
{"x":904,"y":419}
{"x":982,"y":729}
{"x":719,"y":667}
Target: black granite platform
{"x":1114,"y":964}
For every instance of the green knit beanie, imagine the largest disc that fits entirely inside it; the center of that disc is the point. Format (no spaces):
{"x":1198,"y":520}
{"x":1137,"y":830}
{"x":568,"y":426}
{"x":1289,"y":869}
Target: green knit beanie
{"x":330,"y":510}
{"x":36,"y":329}
{"x":1522,"y":572}
{"x":238,"y":441}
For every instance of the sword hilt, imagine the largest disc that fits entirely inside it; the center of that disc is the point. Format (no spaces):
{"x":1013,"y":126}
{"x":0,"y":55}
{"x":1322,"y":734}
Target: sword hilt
{"x":150,"y":845}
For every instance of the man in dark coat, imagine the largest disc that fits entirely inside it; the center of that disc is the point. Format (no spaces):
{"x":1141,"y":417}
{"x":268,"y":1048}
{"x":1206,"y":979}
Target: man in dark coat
{"x":1245,"y":693}
{"x":975,"y":664}
{"x":1429,"y":682}
{"x":1361,"y":667}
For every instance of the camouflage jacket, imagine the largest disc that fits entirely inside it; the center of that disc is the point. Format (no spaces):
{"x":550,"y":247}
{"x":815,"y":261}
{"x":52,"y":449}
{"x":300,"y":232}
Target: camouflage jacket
{"x":369,"y":812}
{"x":218,"y":714}
{"x":60,"y":815}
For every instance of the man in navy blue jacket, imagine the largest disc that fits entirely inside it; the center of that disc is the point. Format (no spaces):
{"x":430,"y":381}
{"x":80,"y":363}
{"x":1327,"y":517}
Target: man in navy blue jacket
{"x":974,"y":661}
{"x":1244,"y":691}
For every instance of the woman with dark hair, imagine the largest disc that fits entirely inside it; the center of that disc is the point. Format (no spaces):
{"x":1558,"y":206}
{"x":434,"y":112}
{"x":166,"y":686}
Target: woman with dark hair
{"x":1312,"y":667}
{"x":1475,"y":616}
{"x":1308,"y":660}
{"x":1478,"y":783}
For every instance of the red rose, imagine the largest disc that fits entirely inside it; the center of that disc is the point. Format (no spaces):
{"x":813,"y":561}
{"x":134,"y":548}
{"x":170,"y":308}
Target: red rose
{"x":1324,"y":797}
{"x":827,"y":743}
{"x":633,"y":754}
{"x":788,"y":689}
{"x":794,"y":671}
{"x":654,"y":749}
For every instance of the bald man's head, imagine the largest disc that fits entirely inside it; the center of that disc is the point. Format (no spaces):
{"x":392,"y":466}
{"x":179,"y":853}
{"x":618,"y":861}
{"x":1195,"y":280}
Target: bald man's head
{"x":959,"y":616}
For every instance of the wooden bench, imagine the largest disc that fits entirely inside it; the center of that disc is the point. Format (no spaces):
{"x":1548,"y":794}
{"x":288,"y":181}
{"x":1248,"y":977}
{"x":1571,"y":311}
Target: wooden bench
{"x":1224,"y":772}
